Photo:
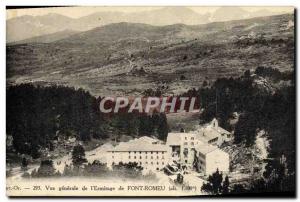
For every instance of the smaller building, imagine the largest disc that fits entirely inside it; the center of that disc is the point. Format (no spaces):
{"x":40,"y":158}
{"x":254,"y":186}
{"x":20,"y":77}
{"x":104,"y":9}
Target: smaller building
{"x":209,"y":158}
{"x":197,"y":153}
{"x":213,"y":134}
{"x":182,"y":147}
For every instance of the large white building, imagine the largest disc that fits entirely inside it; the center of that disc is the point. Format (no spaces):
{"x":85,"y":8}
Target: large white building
{"x":196,"y":150}
{"x":146,"y":152}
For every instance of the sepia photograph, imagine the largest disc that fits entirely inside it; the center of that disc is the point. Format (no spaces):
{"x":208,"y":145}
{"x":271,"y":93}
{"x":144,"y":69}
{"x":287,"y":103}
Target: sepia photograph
{"x":151,"y":101}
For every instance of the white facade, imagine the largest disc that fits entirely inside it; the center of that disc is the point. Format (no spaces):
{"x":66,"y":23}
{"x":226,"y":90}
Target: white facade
{"x":182,"y":147}
{"x":151,"y":155}
{"x":188,"y":150}
{"x":149,"y":160}
{"x":210,"y":158}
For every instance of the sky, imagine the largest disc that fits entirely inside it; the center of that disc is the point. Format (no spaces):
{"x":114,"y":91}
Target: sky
{"x":76,"y":12}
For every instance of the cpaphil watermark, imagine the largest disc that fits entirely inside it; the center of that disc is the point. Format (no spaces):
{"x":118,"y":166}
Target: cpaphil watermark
{"x":149,"y":104}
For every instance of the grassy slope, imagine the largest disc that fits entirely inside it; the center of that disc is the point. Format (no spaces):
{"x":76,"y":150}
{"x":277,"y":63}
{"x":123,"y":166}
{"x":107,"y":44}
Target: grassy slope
{"x":101,"y":60}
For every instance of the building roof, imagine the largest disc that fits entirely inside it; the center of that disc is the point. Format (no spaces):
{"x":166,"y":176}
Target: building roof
{"x":222,"y":131}
{"x":210,"y":131}
{"x":207,"y":133}
{"x":205,"y":148}
{"x":144,"y":139}
{"x":175,"y":138}
{"x":215,"y":125}
{"x":140,"y":144}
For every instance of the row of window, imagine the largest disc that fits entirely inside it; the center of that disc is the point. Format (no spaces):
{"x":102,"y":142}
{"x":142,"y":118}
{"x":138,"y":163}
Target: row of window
{"x":186,"y":143}
{"x":213,"y":140}
{"x":186,"y":138}
{"x":140,"y":163}
{"x":129,"y":157}
{"x":162,"y":163}
{"x":146,"y":157}
{"x":145,"y":152}
{"x":228,"y":135}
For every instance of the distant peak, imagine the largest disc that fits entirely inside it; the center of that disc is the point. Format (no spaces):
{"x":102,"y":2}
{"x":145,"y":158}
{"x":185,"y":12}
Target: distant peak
{"x":177,"y":9}
{"x":54,"y":15}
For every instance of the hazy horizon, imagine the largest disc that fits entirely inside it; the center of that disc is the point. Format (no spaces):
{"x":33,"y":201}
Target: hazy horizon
{"x":78,"y":12}
{"x":81,"y":19}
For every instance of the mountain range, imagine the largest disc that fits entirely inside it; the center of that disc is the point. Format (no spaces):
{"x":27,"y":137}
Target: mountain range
{"x":25,"y":27}
{"x":129,"y":58}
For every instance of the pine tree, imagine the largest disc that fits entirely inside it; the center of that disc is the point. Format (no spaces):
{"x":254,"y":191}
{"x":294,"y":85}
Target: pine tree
{"x":46,"y":169}
{"x":214,"y":184}
{"x":225,"y":186}
{"x":78,"y":156}
{"x":24,"y":164}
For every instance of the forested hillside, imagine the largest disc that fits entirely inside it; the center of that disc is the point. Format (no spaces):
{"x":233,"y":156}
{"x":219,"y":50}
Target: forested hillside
{"x":261,"y":100}
{"x":38,"y":115}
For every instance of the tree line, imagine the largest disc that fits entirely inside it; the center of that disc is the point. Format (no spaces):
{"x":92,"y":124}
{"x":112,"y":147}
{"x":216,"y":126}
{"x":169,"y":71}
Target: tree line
{"x":81,"y":167}
{"x":258,"y":108}
{"x":37,"y":115}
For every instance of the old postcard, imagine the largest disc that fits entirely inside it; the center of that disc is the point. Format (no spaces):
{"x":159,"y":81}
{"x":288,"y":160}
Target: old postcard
{"x":150,"y":101}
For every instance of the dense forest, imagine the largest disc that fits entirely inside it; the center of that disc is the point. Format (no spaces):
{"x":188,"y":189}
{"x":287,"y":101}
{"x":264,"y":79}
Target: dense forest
{"x":268,"y":106}
{"x":262,"y":100}
{"x":38,"y":115}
